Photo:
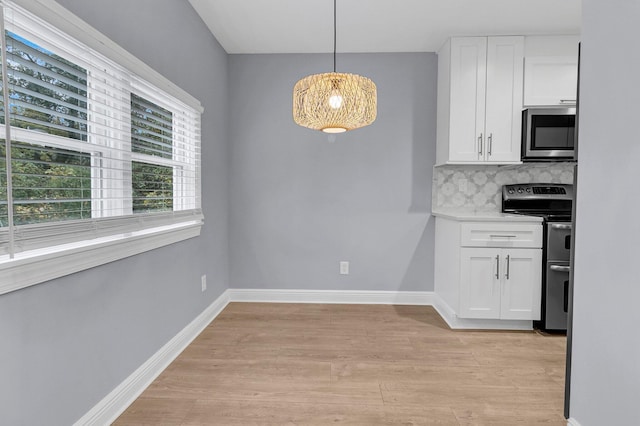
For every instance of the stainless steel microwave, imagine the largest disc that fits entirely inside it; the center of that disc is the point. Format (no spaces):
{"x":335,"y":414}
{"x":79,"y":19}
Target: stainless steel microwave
{"x":548,"y":134}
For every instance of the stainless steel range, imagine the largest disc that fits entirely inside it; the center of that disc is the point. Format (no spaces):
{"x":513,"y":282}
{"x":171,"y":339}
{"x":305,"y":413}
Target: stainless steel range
{"x":553,"y":203}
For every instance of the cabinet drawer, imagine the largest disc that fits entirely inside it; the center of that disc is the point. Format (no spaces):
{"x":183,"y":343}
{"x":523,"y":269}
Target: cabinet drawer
{"x":496,"y":234}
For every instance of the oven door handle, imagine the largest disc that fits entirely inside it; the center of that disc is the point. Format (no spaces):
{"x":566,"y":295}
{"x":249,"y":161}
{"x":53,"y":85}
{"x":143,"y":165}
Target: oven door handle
{"x":559,"y":268}
{"x":561,"y":226}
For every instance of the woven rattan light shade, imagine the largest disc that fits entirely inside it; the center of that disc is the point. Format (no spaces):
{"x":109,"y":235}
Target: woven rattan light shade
{"x":334,"y":102}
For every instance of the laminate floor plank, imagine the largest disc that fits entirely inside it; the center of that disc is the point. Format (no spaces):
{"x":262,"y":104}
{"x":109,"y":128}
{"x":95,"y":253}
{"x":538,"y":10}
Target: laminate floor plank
{"x":438,"y":376}
{"x":264,"y":369}
{"x":292,"y":390}
{"x":146,"y":411}
{"x":279,"y":413}
{"x":308,"y":364}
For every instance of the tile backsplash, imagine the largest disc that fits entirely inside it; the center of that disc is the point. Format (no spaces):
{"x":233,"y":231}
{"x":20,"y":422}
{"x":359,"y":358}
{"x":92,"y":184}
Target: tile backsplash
{"x":479,"y":187}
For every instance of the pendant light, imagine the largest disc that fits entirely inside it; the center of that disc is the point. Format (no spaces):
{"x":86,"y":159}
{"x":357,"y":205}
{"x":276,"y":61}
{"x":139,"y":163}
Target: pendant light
{"x":334,"y":102}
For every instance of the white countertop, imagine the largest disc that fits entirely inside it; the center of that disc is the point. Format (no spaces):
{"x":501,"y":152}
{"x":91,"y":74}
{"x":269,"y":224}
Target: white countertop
{"x":483,"y":216}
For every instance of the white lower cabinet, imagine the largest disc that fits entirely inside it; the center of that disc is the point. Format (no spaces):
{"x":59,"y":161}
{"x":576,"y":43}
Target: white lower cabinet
{"x":489,"y":270}
{"x":500,"y":283}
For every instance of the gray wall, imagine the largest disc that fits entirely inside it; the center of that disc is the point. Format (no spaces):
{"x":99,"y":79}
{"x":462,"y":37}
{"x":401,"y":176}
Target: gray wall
{"x":606,"y":342}
{"x":66,"y":343}
{"x":300,"y":202}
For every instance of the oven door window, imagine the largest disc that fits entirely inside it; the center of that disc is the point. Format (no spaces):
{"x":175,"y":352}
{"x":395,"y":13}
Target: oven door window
{"x":552,"y":132}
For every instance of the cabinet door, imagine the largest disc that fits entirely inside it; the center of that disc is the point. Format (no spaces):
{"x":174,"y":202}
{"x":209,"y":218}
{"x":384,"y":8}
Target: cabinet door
{"x":521,"y":281}
{"x":504,"y":98}
{"x":550,"y":80}
{"x":479,"y":287}
{"x":467,"y":108}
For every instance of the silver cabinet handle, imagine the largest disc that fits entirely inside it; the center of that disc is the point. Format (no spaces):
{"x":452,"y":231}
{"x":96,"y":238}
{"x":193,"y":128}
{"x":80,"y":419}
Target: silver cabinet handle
{"x":508,"y":262}
{"x":559,"y":268}
{"x":501,"y":236}
{"x":567,"y":101}
{"x":480,"y":144}
{"x":561,"y":226}
{"x":490,"y":140}
{"x":498,"y":267}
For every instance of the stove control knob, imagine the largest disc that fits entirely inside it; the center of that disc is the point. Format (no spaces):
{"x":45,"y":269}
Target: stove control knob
{"x":511,"y":191}
{"x":520,"y":190}
{"x":528,"y":189}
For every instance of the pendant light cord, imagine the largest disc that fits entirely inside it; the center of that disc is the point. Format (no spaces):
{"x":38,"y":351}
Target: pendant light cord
{"x":334,"y":35}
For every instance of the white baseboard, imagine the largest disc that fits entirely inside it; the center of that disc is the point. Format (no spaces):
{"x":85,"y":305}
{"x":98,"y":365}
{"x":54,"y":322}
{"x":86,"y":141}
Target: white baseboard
{"x":572,"y":422}
{"x":455,"y":322}
{"x":114,"y":404}
{"x":332,"y":296}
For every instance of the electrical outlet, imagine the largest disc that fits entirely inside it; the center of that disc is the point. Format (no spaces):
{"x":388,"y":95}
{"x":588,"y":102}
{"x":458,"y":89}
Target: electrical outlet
{"x":462,"y":185}
{"x":203,"y":280}
{"x":344,"y":268}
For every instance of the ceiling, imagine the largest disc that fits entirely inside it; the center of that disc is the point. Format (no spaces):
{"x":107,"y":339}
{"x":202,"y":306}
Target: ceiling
{"x":306,"y":26}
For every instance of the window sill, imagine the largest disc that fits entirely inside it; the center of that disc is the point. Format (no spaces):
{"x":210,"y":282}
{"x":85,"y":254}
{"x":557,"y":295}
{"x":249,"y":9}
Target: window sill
{"x":37,"y":266}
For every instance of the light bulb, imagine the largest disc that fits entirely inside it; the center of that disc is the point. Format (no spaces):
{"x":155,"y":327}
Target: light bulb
{"x":334,"y":130}
{"x":335,"y":101}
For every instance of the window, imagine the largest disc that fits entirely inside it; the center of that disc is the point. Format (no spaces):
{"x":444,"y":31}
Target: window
{"x":92,"y":152}
{"x":151,"y":142}
{"x":49,"y":184}
{"x":47,"y":96}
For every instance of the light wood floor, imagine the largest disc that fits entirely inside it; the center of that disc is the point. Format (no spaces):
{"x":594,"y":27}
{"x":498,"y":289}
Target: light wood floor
{"x":355,"y":364}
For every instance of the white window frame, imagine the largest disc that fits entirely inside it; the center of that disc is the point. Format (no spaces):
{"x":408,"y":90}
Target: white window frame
{"x":42,"y":264}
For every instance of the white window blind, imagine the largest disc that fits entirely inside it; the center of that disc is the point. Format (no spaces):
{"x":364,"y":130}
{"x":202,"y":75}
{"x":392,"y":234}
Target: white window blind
{"x":88,"y":149}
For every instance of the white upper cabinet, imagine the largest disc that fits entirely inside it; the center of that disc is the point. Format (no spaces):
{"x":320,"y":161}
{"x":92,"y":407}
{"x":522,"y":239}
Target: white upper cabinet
{"x":503,"y":116}
{"x":480,"y":82}
{"x":550,"y":71}
{"x":468,"y":70}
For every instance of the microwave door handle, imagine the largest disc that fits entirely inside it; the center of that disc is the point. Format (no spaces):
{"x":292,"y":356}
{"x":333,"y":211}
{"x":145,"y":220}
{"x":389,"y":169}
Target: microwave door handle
{"x":559,"y":268}
{"x":561,"y":227}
